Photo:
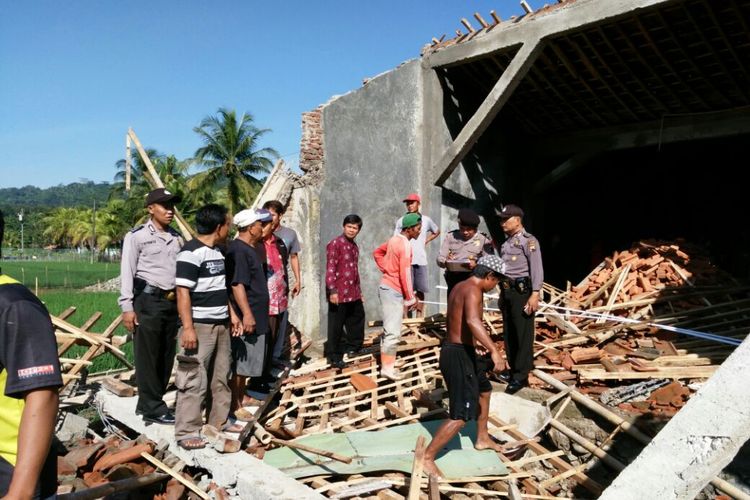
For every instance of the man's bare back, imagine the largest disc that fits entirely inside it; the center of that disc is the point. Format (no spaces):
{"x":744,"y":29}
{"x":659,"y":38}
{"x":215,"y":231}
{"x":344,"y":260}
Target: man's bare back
{"x":464,"y":296}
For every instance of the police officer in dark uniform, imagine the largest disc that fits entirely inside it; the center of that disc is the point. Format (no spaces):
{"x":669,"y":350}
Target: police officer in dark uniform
{"x":520,"y":290}
{"x":462,"y":247}
{"x":148,"y":302}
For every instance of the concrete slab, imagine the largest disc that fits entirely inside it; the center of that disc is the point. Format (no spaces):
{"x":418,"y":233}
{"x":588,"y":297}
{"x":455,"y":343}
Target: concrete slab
{"x":252,"y":479}
{"x":697,"y":443}
{"x":529,"y":417}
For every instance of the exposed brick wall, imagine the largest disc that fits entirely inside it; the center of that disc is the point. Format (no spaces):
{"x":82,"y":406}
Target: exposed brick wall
{"x":311,"y":145}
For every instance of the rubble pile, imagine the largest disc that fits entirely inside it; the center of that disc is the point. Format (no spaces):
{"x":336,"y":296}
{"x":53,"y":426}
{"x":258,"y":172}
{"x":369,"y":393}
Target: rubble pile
{"x":641,"y":315}
{"x":629,"y":338}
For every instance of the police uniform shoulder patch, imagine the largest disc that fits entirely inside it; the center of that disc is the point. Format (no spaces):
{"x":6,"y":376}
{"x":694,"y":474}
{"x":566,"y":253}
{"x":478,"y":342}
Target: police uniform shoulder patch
{"x":532,"y":244}
{"x":137,"y":228}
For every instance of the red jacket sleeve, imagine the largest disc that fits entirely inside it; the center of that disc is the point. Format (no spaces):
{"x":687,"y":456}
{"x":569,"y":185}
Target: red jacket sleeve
{"x":379,"y":256}
{"x":404,"y":271}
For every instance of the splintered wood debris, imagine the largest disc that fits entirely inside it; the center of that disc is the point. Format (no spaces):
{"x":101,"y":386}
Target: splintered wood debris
{"x":627,"y":338}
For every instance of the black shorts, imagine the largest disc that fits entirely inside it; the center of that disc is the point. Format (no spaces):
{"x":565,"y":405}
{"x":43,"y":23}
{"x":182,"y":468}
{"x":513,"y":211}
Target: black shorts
{"x":465,"y":376}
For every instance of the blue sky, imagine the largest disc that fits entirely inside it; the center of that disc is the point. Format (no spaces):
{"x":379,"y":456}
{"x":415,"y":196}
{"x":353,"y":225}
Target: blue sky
{"x":75,"y":75}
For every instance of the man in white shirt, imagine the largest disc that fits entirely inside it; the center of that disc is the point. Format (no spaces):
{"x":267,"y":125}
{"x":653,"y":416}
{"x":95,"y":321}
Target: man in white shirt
{"x":430,"y":231}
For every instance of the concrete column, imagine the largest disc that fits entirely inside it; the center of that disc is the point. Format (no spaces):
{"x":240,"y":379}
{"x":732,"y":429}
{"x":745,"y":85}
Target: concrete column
{"x":697,"y":443}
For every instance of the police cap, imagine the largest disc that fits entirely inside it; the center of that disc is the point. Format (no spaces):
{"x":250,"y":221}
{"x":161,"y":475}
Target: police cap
{"x":509,"y":211}
{"x":468,"y":217}
{"x":161,"y":196}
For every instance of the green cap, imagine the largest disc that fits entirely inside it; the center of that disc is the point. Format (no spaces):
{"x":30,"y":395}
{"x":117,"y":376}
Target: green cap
{"x":410,"y":220}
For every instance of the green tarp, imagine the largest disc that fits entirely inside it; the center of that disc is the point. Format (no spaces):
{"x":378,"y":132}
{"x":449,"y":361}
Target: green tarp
{"x":386,"y":450}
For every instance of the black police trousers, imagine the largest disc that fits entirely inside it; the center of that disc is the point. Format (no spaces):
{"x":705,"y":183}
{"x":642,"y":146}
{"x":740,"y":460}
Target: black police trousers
{"x":518,"y":332}
{"x":155,"y":342}
{"x":453,"y":278}
{"x":346,"y":329}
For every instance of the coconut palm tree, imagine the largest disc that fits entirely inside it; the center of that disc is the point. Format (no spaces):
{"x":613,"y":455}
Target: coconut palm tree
{"x":133,"y":210}
{"x":172,"y":172}
{"x":231,"y":157}
{"x":59,"y":226}
{"x":138,"y":173}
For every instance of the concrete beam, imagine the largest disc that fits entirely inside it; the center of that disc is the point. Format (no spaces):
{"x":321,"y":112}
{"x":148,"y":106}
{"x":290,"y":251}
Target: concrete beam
{"x":540,"y":26}
{"x":563,"y":170}
{"x":697,"y":443}
{"x":671,"y":128}
{"x":487,"y":111}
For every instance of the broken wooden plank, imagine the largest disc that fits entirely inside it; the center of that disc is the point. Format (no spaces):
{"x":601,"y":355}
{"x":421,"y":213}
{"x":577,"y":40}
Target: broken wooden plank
{"x":117,"y":387}
{"x":416,"y":469}
{"x":676,"y":372}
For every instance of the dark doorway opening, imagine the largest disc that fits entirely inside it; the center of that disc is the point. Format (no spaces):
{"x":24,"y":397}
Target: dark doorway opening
{"x":691,"y":190}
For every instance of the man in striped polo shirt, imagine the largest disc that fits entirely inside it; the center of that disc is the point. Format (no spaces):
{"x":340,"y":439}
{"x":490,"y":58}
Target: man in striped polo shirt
{"x":204,"y":361}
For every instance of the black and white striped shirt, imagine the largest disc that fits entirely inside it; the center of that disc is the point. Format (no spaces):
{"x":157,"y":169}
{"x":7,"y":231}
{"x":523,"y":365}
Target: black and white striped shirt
{"x":201,"y":269}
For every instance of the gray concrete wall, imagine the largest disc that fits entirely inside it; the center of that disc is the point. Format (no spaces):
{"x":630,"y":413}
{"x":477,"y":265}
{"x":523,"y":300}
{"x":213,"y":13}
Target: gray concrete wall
{"x":304,"y":217}
{"x":697,"y":443}
{"x":380,"y":143}
{"x":373,"y":153}
{"x":491,"y":174}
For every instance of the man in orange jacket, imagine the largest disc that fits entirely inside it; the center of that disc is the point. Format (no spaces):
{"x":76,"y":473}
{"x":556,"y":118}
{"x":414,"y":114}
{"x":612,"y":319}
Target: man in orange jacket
{"x":396,"y":290}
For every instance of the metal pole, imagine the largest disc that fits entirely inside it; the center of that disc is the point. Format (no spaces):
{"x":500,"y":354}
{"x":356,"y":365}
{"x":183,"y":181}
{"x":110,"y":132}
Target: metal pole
{"x":20,"y":219}
{"x":93,"y":233}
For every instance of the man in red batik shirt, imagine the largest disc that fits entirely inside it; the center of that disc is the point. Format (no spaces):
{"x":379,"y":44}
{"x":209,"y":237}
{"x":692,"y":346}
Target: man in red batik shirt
{"x":346,"y":314}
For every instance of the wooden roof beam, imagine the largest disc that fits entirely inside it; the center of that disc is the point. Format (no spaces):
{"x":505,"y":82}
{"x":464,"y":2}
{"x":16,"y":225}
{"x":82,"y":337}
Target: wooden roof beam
{"x":487,"y":111}
{"x":687,"y":57}
{"x":728,"y":45}
{"x":628,"y":67}
{"x":595,"y":73}
{"x":546,"y":25}
{"x":662,"y":57}
{"x":571,"y":89}
{"x":740,"y":89}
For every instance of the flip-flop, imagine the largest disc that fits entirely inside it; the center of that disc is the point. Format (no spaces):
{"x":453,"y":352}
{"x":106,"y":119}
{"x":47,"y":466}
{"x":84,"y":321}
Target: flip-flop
{"x":243,"y":415}
{"x":191,"y":443}
{"x":250,"y":401}
{"x":233,"y":427}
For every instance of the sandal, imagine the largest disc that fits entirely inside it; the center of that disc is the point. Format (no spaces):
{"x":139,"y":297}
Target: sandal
{"x":232,"y":425}
{"x":233,"y":428}
{"x":250,"y":401}
{"x":191,"y":443}
{"x":243,"y":415}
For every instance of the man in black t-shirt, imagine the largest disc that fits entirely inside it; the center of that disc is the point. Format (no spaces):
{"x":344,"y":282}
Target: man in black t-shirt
{"x":246,"y":281}
{"x":29,"y":381}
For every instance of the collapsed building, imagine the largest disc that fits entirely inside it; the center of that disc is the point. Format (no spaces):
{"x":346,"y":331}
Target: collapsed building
{"x":610,"y":122}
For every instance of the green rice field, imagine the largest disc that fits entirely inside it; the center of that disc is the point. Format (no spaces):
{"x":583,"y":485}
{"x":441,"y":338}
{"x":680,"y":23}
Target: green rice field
{"x":56,"y":274}
{"x":88,"y":303}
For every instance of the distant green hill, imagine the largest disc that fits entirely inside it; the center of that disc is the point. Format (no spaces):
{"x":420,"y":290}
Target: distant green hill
{"x":36,"y":203}
{"x":75,"y":194}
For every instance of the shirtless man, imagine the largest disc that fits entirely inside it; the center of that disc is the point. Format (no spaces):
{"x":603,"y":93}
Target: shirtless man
{"x":464,"y":374}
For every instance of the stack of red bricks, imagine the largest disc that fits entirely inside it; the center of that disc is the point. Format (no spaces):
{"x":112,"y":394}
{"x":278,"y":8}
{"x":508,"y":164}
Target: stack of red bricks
{"x":114,"y":461}
{"x":650,"y":281}
{"x":311,"y":145}
{"x":652,"y":265}
{"x":90,"y":463}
